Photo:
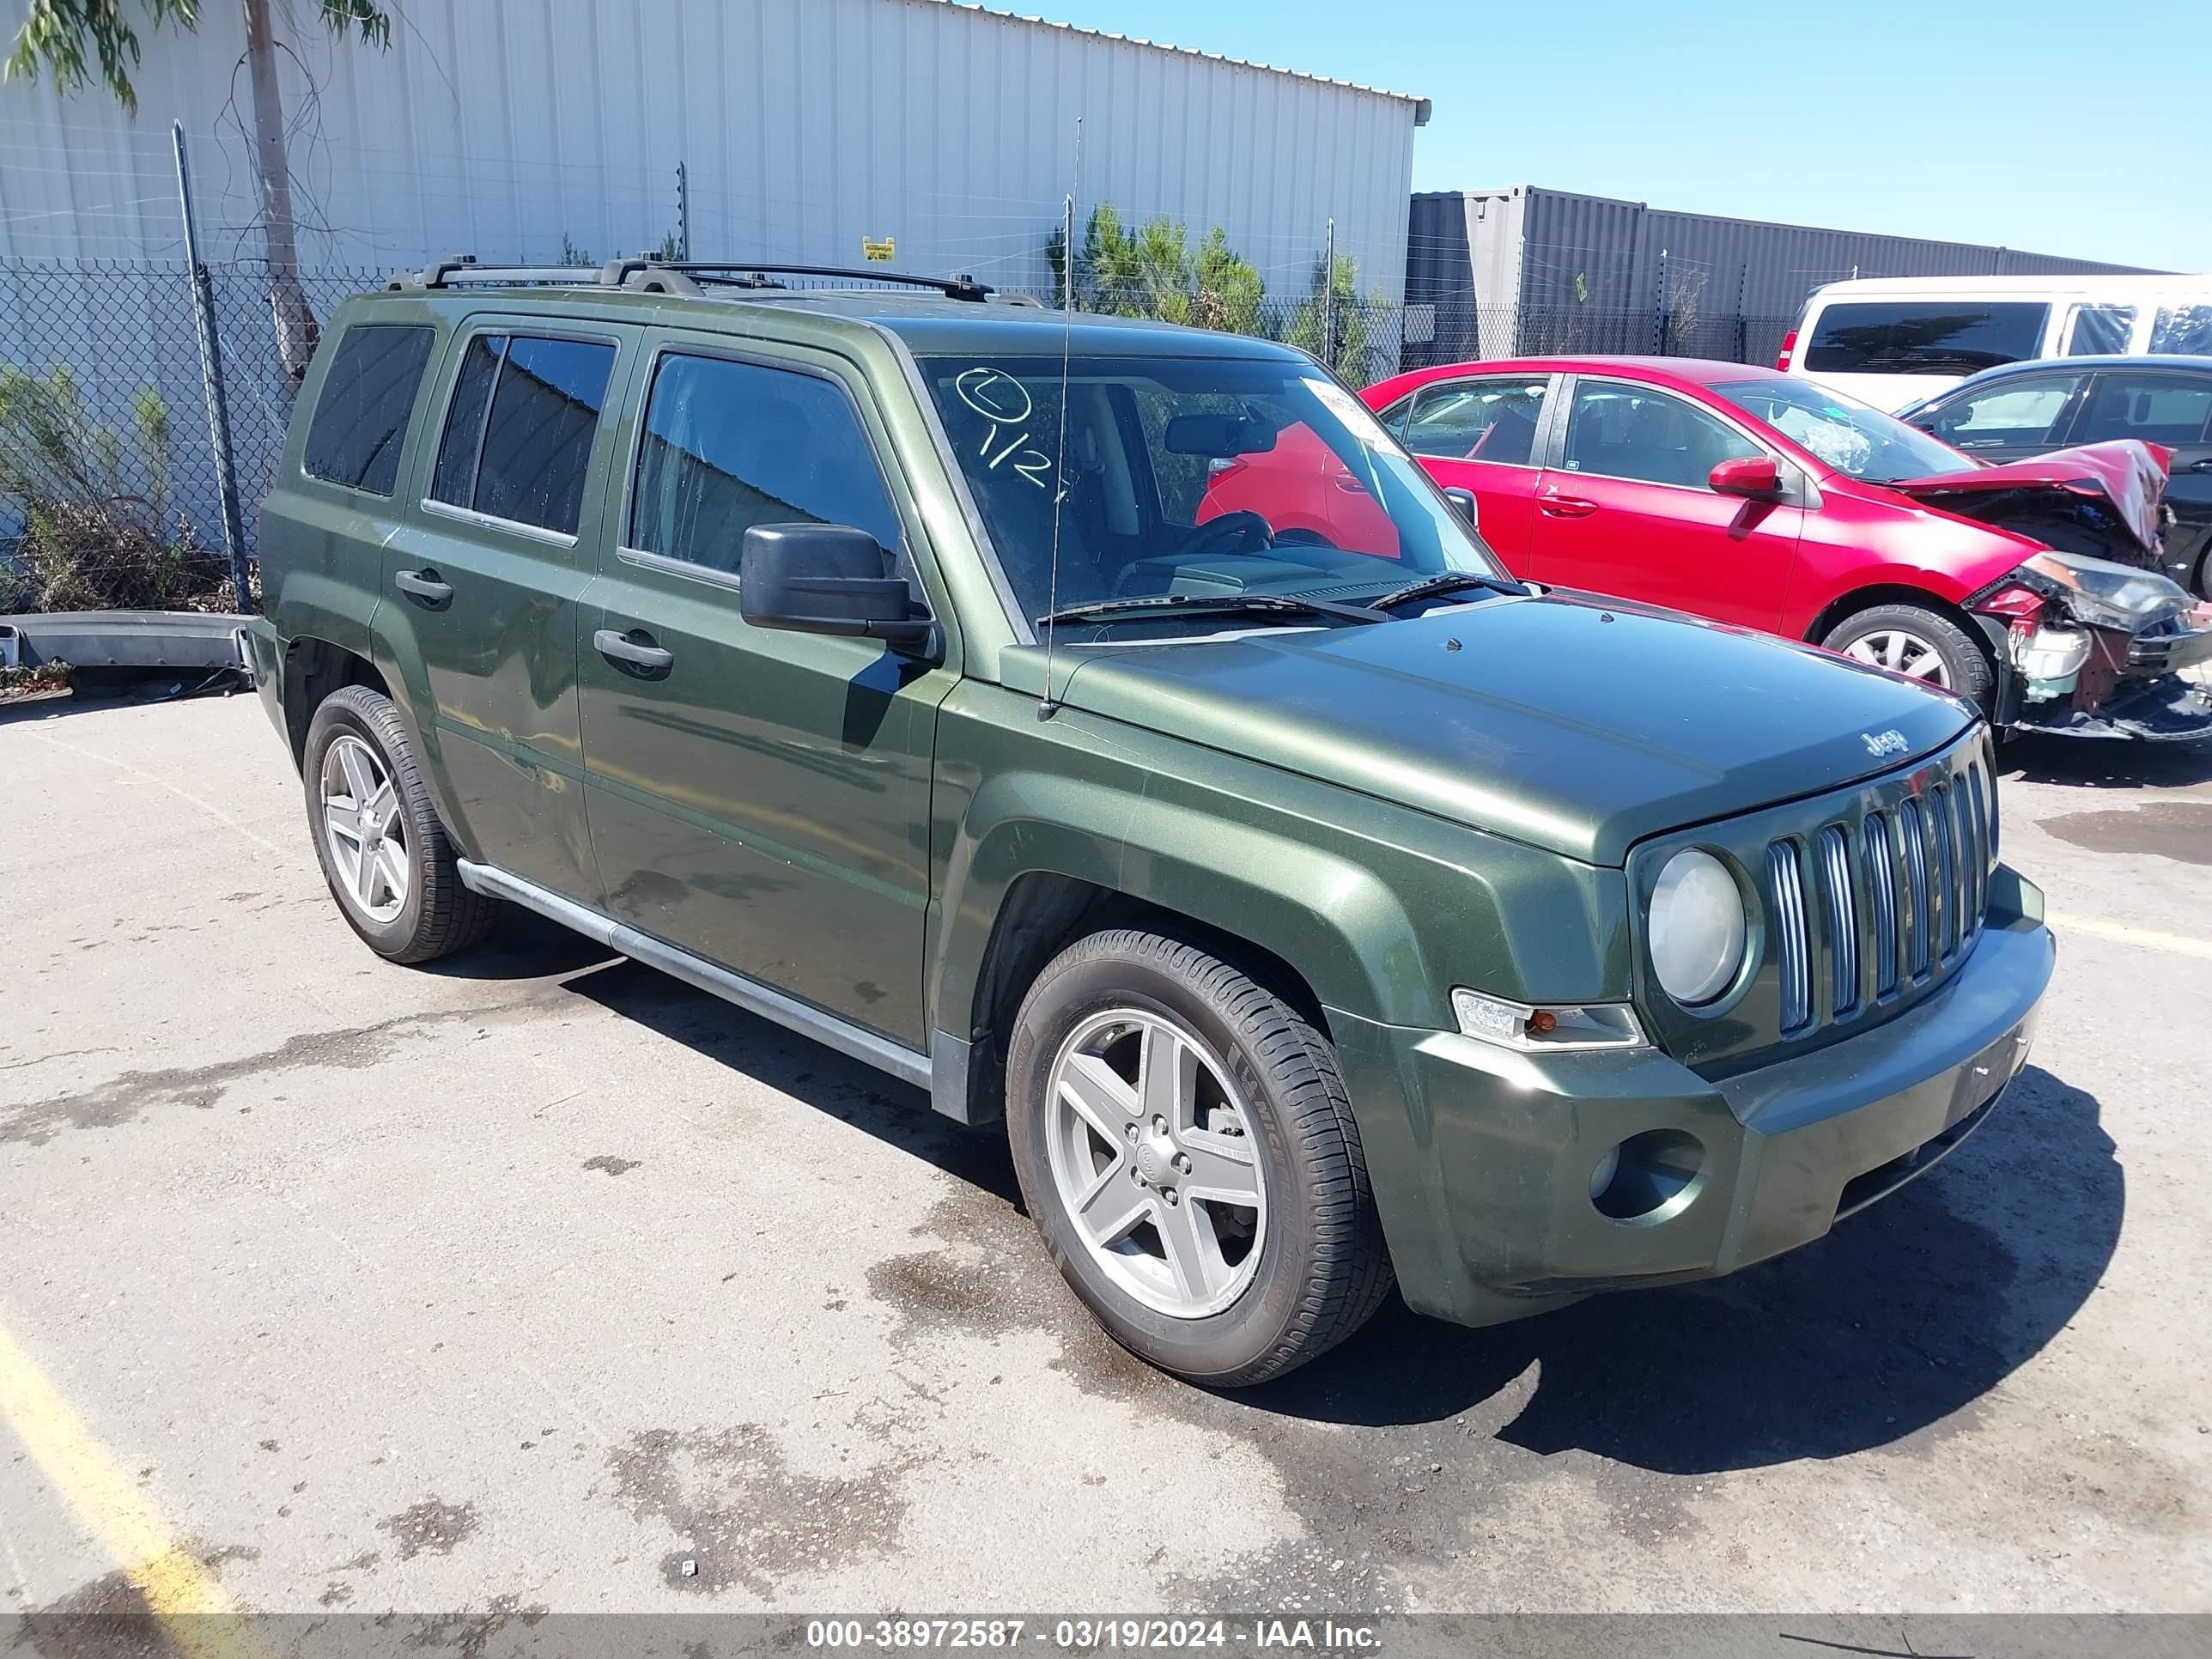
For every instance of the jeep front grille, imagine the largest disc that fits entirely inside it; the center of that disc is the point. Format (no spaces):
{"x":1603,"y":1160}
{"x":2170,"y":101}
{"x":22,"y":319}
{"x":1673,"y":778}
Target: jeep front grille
{"x":1861,"y":909}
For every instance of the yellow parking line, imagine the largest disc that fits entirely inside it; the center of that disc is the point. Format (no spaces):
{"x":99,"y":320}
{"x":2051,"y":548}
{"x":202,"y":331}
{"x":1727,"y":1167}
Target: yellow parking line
{"x":177,"y":1591}
{"x":2122,"y":934}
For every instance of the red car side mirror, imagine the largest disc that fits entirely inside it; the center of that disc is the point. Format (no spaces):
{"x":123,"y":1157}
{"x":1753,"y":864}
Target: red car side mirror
{"x":1747,"y":475}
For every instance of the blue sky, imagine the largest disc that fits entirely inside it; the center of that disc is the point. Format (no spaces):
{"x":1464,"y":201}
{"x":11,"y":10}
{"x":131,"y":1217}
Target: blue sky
{"x":2060,"y":128}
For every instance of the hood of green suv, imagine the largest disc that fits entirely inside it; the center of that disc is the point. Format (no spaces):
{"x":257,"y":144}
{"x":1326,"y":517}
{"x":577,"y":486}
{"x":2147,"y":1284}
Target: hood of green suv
{"x":1551,"y":720}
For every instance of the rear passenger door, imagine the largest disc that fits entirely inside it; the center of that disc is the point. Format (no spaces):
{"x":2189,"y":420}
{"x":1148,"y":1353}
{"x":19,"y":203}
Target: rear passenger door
{"x":1481,"y":434}
{"x":759,"y":798}
{"x":2172,"y":407}
{"x":482,"y":583}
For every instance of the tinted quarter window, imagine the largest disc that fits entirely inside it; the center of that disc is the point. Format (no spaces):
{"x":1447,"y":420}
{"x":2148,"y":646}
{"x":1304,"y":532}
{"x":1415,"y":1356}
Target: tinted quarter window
{"x":360,"y":420}
{"x":729,"y":445}
{"x":454,"y":480}
{"x":2101,"y":330}
{"x":1628,"y":432}
{"x":2158,"y":408}
{"x":1925,"y":336}
{"x":2182,"y":331}
{"x":1478,"y":420}
{"x":2016,"y":412}
{"x":538,"y":439}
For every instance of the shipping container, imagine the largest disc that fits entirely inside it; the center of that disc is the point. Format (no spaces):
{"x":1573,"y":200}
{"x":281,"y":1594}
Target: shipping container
{"x":1491,"y":272}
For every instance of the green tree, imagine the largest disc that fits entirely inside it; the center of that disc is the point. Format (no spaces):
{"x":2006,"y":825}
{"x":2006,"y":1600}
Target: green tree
{"x":1153,"y":272}
{"x":68,"y":38}
{"x":1334,"y":304}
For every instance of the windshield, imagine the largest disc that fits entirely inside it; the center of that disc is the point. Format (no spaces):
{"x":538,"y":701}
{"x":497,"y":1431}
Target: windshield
{"x":1850,"y":436}
{"x":1193,"y":477}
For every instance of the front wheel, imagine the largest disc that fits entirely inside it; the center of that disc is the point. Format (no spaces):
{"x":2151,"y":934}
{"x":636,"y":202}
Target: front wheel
{"x":1920,"y":643}
{"x":1186,"y":1145}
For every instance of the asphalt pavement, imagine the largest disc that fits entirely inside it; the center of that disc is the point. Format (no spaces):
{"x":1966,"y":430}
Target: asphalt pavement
{"x":535,"y":1280}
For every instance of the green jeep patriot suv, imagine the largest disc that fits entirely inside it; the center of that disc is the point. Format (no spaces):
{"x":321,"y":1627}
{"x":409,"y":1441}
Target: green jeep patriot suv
{"x":1317,"y":908}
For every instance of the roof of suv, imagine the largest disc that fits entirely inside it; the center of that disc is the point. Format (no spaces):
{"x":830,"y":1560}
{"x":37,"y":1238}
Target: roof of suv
{"x":929,"y":323}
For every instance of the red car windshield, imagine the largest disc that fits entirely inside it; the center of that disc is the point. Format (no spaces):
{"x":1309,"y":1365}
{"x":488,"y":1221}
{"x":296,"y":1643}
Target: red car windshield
{"x":1856,"y":439}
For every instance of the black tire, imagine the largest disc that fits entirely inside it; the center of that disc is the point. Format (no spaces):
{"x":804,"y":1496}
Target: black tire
{"x":1323,"y":1268}
{"x":438,"y":916}
{"x":1973,"y":676}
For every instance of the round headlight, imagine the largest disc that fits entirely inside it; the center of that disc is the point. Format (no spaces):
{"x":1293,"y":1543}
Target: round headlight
{"x":1696,"y":929}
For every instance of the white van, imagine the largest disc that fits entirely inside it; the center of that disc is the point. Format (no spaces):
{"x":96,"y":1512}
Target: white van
{"x":1891,"y":341}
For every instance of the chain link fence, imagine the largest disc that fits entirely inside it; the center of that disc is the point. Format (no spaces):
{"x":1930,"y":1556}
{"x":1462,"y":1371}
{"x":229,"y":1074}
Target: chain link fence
{"x":111,"y":490}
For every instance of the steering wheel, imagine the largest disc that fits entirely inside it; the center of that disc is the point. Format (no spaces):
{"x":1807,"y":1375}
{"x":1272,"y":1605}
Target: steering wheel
{"x":1232,"y":533}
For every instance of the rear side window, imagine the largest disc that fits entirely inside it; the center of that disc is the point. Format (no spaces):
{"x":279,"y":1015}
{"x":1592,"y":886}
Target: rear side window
{"x":518,"y":432}
{"x":2182,"y":331}
{"x":2101,"y":330}
{"x":729,"y":445}
{"x":1925,"y":336}
{"x":1478,"y":420}
{"x":360,"y":419}
{"x":2159,"y":409}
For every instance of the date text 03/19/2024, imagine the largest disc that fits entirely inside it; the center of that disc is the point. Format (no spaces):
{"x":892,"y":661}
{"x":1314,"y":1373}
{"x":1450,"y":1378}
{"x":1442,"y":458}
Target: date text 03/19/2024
{"x":1087,"y":1635}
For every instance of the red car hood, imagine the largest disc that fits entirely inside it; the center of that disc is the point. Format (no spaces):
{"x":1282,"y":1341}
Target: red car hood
{"x":2130,"y":475}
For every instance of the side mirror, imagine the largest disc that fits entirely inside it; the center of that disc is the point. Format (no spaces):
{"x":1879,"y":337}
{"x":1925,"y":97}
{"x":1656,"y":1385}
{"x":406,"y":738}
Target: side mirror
{"x":1755,"y":476}
{"x":826,"y":579}
{"x":1464,"y":500}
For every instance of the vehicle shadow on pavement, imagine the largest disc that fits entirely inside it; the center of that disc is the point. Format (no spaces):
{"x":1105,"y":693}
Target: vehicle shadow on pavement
{"x":1904,"y":1316}
{"x":2093,"y":763}
{"x":893,"y":1112}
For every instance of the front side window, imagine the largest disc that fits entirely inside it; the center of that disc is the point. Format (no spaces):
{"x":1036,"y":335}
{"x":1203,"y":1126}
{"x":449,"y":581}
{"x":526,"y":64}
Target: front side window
{"x":1616,"y":431}
{"x":2100,"y":330}
{"x":2025,"y":411}
{"x":2173,"y":410}
{"x":728,"y":445}
{"x":520,"y":428}
{"x":1158,"y":475}
{"x":2182,"y":331}
{"x":360,"y":419}
{"x":1478,"y":420}
{"x":1856,"y":439}
{"x":1925,"y":336}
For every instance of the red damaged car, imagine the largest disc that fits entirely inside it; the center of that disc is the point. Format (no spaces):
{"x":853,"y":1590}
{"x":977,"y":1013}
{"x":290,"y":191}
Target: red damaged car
{"x":1764,"y":500}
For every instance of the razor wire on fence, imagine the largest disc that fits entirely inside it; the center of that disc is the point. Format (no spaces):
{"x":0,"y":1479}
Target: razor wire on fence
{"x":112,"y":489}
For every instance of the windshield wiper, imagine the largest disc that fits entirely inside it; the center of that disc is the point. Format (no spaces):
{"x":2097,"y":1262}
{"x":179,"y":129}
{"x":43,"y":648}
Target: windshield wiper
{"x":1451,"y":581}
{"x":1250,"y":604}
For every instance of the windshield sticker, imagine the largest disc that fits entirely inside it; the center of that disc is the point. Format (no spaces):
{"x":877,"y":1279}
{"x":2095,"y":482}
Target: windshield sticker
{"x":1003,"y":402}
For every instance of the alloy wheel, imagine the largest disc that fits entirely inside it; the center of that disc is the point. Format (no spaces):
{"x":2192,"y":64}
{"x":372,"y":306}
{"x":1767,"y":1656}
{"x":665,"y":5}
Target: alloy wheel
{"x":1902,"y":652}
{"x":364,"y":831}
{"x":1156,"y":1165}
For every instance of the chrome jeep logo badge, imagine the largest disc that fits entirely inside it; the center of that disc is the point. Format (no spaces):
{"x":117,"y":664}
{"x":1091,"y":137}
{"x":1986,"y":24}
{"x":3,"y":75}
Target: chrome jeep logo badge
{"x":1879,"y":743}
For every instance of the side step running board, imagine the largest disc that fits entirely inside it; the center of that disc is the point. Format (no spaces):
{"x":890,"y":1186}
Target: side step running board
{"x":846,"y":1038}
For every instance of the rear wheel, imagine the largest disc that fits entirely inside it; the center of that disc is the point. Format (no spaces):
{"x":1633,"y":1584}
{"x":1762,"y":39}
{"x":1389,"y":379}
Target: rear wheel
{"x":1918,"y":642}
{"x":385,"y":853}
{"x":1186,"y":1145}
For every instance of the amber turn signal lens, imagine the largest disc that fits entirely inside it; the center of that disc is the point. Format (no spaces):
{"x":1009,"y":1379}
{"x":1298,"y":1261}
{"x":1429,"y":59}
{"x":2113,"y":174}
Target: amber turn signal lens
{"x":1543,"y":1022}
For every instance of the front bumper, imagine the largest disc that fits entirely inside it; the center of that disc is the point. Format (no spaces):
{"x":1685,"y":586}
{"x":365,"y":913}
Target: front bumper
{"x":1481,"y":1158}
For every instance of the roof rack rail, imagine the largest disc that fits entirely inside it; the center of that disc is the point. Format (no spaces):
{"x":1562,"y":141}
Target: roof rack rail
{"x":658,"y":276}
{"x":959,"y":286}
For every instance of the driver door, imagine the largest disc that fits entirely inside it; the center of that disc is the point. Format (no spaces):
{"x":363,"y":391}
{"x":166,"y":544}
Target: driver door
{"x":1628,"y":511}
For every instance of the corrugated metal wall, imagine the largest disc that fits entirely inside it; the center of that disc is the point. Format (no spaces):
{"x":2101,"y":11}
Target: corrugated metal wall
{"x":1546,"y":254}
{"x":511,"y":127}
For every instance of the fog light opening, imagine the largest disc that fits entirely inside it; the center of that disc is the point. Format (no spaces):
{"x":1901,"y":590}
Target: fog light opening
{"x":1647,"y":1178}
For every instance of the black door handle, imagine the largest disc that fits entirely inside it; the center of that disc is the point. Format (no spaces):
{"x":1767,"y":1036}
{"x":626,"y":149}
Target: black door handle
{"x":638,"y":654}
{"x":423,"y":584}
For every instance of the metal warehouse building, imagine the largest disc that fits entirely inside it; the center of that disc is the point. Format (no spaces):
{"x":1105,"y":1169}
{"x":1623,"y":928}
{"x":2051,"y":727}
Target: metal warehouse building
{"x":1489,"y":273}
{"x":807,"y":128}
